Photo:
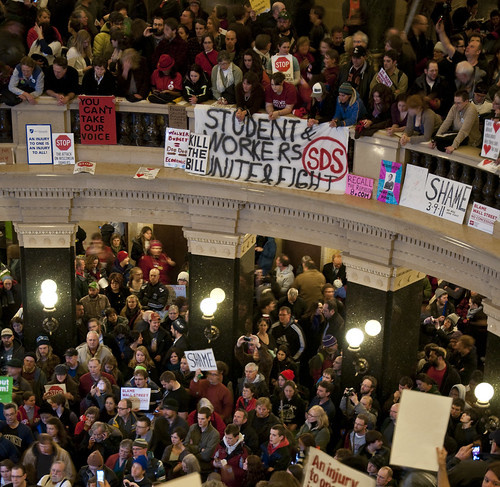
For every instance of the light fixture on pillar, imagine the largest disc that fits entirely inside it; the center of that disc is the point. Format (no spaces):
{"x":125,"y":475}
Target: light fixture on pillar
{"x":208,"y":307}
{"x":373,"y":328}
{"x":483,"y":392}
{"x":49,"y":300}
{"x":354,"y":338}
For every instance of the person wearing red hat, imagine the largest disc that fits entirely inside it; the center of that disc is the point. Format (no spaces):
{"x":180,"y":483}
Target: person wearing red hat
{"x":166,"y":81}
{"x":122,"y":265}
{"x":156,"y":258}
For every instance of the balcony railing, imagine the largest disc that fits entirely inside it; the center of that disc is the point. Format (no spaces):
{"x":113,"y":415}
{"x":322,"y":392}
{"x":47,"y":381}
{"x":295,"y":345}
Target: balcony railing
{"x":143,"y":124}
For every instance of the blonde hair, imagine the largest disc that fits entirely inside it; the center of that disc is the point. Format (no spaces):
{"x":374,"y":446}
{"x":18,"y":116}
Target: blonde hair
{"x":80,"y":39}
{"x":133,"y":56}
{"x":321,"y":415}
{"x":148,"y":363}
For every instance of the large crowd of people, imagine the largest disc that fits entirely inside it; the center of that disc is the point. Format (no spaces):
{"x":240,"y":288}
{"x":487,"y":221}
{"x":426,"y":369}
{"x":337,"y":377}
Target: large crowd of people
{"x":69,"y":420}
{"x":284,"y":394}
{"x":436,"y":83}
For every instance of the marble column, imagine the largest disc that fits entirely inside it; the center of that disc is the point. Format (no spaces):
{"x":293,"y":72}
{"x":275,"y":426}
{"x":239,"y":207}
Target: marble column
{"x":492,"y":358}
{"x":393,"y":296}
{"x":218,"y":260}
{"x":47,"y":252}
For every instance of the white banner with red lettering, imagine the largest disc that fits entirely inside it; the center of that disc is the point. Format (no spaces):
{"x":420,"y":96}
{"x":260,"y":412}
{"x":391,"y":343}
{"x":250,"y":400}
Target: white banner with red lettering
{"x":283,"y":152}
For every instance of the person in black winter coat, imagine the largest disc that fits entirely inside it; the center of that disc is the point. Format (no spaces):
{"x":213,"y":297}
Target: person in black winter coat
{"x":99,"y":81}
{"x":196,"y":88}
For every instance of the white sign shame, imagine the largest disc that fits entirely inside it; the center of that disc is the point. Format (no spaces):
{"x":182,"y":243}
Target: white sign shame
{"x":483,"y":217}
{"x":491,"y":139}
{"x":414,"y":446}
{"x":414,"y":187}
{"x":323,"y":470}
{"x":446,"y":198}
{"x":201,"y":359}
{"x":63,"y":148}
{"x":143,"y":394}
{"x":283,"y":152}
{"x":197,"y":159}
{"x":39,"y":143}
{"x":176,"y":147}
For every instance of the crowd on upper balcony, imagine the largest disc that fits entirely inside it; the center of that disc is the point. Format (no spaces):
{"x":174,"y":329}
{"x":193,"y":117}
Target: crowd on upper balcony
{"x":436,"y":83}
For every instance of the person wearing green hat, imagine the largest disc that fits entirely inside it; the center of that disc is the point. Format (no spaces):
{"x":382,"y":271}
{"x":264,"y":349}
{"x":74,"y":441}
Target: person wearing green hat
{"x":350,"y":107}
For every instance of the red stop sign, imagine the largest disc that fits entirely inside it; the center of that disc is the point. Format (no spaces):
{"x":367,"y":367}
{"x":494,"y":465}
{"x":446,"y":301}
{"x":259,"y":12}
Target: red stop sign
{"x":63,"y":142}
{"x":282,"y":64}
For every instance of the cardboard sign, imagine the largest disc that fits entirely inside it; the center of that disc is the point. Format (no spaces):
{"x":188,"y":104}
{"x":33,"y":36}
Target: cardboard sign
{"x":39,"y":143}
{"x":146,"y":173}
{"x":414,"y":446}
{"x":63,"y":148}
{"x":176,"y":147}
{"x":389,"y":183}
{"x":191,"y":480}
{"x":283,"y":64}
{"x":6,"y":386}
{"x":414,"y":187}
{"x":383,"y":78}
{"x":260,"y":6}
{"x":177,"y":117}
{"x":201,"y":359}
{"x":483,"y":217}
{"x":283,"y":152}
{"x":197,"y":159}
{"x":97,"y":120}
{"x":323,"y":470}
{"x":489,"y":165}
{"x":359,"y":186}
{"x":491,"y":139}
{"x":446,"y":198}
{"x":143,"y":394}
{"x":53,"y":389}
{"x":7,"y":155}
{"x":84,"y":166}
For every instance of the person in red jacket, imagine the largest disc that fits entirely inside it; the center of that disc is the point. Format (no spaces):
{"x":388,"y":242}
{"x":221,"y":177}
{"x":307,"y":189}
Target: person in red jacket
{"x":230,"y":456}
{"x":156,"y":258}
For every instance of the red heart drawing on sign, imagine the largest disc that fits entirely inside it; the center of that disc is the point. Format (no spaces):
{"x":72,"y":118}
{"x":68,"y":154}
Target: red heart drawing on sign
{"x":150,"y":168}
{"x":496,"y":126}
{"x":486,"y":148}
{"x":140,"y":175}
{"x":487,"y":161}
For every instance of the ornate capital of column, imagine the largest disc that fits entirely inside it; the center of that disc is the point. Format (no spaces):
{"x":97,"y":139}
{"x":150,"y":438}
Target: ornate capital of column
{"x":31,"y":235}
{"x":378,"y":276}
{"x":211,"y":244}
{"x":492,"y":310}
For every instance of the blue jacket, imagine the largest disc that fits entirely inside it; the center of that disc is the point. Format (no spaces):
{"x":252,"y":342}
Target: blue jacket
{"x":347,"y":115}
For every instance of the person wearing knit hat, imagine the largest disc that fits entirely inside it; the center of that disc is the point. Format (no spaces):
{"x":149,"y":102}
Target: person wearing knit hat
{"x":122,"y":265}
{"x":46,"y":359}
{"x":325,"y":357}
{"x":137,"y":476}
{"x":441,"y":307}
{"x":288,"y":374}
{"x":95,"y":460}
{"x":350,"y":108}
{"x":183,"y":278}
{"x":156,"y":259}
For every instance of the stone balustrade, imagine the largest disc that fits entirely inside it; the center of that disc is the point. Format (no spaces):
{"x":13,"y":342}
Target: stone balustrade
{"x":143,"y":124}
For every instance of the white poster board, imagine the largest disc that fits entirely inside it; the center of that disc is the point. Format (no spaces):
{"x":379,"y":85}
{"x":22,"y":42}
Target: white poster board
{"x":201,"y":359}
{"x":483,"y":217}
{"x":143,"y":394}
{"x":191,"y":480}
{"x":176,"y":147}
{"x":197,"y":159}
{"x":413,"y":445}
{"x":63,"y":148}
{"x":414,"y":187}
{"x":323,"y":470}
{"x":39,"y":143}
{"x":491,"y":139}
{"x":446,"y":198}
